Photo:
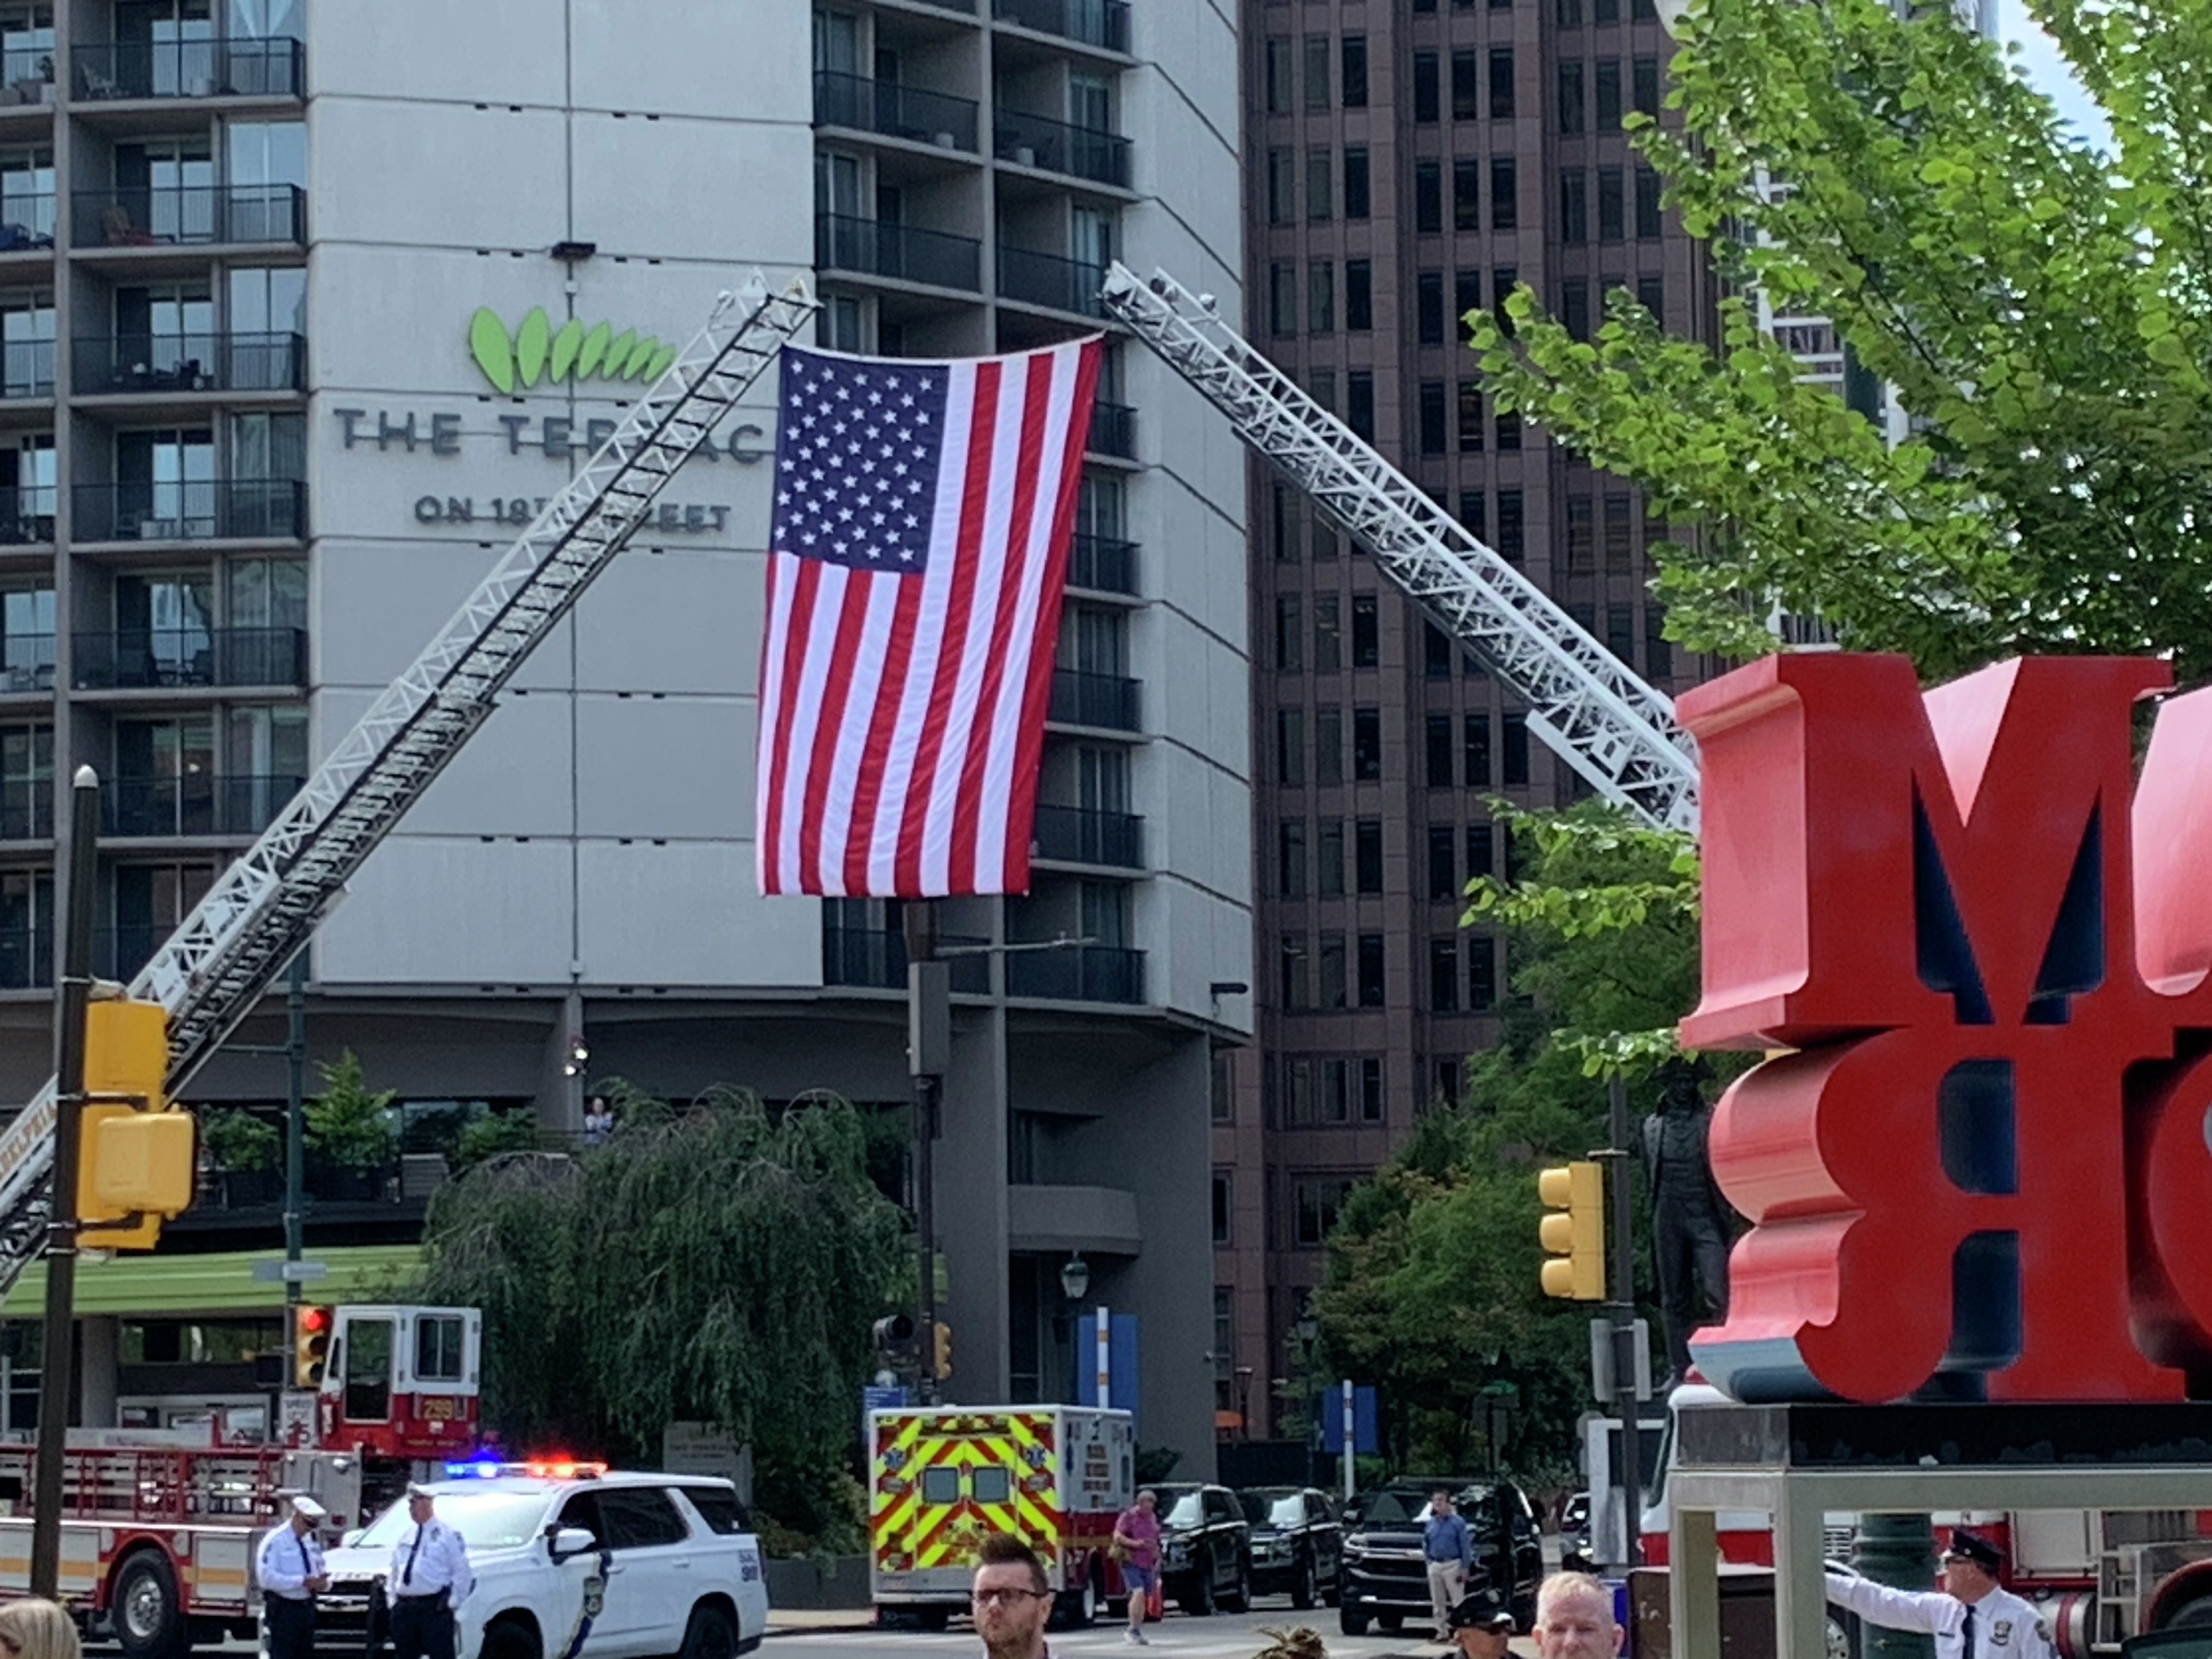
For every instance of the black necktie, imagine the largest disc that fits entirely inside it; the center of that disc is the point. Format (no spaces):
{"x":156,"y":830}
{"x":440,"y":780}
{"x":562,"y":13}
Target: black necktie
{"x":407,"y":1572}
{"x":307,"y":1566}
{"x":1967,"y":1632}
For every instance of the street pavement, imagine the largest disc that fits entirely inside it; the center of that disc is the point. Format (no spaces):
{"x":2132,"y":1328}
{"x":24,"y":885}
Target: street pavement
{"x":1223,"y":1636}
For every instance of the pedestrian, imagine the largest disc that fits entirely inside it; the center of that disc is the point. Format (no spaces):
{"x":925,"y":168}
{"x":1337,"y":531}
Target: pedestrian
{"x":598,"y":1121}
{"x":1574,"y":1619}
{"x":1137,"y":1546}
{"x":429,"y":1580}
{"x":1011,"y":1599}
{"x":1482,"y":1625}
{"x":1449,"y":1548}
{"x":35,"y":1628}
{"x":288,"y":1567}
{"x":1971,"y":1616}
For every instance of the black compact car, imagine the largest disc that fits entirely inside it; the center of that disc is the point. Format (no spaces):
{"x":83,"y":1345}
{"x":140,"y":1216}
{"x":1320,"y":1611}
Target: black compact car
{"x":1386,"y":1574}
{"x":1297,"y":1542}
{"x":1205,"y":1545}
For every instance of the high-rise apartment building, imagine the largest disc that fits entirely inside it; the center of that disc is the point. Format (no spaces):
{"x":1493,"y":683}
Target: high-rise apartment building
{"x":1405,"y":164}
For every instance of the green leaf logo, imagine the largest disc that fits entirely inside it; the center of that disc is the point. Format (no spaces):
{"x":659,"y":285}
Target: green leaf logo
{"x":489,"y":346}
{"x":529,"y":342}
{"x":523,"y":356}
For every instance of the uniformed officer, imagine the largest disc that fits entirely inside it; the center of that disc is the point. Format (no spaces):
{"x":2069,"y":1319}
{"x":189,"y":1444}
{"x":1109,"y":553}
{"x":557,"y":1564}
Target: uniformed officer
{"x":430,"y":1578}
{"x":1971,"y":1616}
{"x":1481,"y":1625}
{"x":288,"y":1567}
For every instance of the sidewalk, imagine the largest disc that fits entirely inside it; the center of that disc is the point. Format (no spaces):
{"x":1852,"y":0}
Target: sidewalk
{"x":813,"y":1621}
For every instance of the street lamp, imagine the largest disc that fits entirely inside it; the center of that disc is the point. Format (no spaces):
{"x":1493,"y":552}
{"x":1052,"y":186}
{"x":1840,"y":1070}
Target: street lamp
{"x":1075,"y":1277}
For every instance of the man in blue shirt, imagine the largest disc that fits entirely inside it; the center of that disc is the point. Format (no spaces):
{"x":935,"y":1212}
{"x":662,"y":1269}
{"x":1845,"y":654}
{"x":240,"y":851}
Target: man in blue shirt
{"x":1449,"y":1548}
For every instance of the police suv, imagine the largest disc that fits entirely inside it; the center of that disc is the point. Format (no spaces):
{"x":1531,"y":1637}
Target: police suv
{"x":572,"y":1562}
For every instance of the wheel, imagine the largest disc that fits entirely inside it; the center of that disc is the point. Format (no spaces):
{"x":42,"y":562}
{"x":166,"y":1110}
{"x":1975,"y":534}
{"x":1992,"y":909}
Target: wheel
{"x":930,"y":1618}
{"x":1199,"y":1602}
{"x":709,"y":1635}
{"x":1839,"y":1640}
{"x":1391,"y":1622}
{"x":511,"y":1638}
{"x":145,"y":1608}
{"x":1240,"y":1599}
{"x":2189,"y":1615}
{"x":1077,"y":1609}
{"x":1304,"y":1592}
{"x":1351,"y":1619}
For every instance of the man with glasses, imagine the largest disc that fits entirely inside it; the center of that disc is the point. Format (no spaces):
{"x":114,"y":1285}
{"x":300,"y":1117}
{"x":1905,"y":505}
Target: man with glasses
{"x":1012,"y":1599}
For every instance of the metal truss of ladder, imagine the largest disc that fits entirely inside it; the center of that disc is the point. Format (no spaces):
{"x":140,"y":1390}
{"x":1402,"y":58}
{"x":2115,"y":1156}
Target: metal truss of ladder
{"x":1583,"y":701}
{"x":262,"y":909}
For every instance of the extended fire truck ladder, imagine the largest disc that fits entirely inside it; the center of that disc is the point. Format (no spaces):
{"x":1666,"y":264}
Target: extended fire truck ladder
{"x":261,"y":910}
{"x":1583,"y":701}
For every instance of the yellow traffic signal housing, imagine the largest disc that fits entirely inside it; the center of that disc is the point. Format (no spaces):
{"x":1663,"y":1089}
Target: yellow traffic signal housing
{"x":941,"y":1352}
{"x":1573,"y":1234}
{"x":136,"y":1162}
{"x":311,"y":1346}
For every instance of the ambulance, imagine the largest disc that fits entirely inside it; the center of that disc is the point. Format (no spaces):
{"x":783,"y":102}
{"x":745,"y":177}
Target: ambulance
{"x":941,"y":1479}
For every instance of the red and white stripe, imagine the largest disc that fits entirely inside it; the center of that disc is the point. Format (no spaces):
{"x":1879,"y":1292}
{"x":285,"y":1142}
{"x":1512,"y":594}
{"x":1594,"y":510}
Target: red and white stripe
{"x":901,"y":717}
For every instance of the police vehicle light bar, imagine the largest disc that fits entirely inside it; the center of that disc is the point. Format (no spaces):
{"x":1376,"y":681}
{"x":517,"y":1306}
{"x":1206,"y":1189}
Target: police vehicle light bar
{"x":486,"y":1469}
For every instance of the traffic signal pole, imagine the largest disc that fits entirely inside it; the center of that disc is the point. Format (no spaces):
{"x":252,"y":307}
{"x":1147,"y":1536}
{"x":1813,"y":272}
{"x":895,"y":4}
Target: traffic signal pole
{"x":929,"y":1044}
{"x":295,"y":1067}
{"x":1622,"y":1306}
{"x":57,"y":1356}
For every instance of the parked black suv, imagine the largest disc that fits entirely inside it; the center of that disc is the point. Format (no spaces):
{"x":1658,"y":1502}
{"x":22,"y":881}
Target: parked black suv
{"x":1296,"y":1543}
{"x":1206,"y":1548}
{"x":1386,"y":1577}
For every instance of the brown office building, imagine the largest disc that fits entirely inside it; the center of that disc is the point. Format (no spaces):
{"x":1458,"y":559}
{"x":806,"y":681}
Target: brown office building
{"x":1407,"y":160}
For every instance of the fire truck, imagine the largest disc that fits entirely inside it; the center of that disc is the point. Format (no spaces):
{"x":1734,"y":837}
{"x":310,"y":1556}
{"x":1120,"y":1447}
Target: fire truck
{"x":398,"y":1387}
{"x":944,"y":1479}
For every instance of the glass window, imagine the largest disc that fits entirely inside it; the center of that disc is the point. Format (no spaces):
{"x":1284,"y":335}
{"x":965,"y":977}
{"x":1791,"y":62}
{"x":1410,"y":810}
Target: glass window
{"x":642,"y":1517}
{"x":1645,"y":72}
{"x":1470,"y":438}
{"x":1294,"y":982}
{"x":1291,"y":858}
{"x":1372,"y":980}
{"x":367,"y":1370}
{"x":988,"y":1486}
{"x":1474,"y":756}
{"x":1574,"y":206}
{"x":1329,"y":858}
{"x":1224,"y":1206}
{"x":1283,"y":297}
{"x":26,"y":782}
{"x":1366,"y":631}
{"x":1329,"y":639}
{"x":1432,"y":418}
{"x":1480,"y":837}
{"x":1466,"y":85}
{"x":1224,"y":1087}
{"x":719,"y":1508}
{"x":1367,"y":854}
{"x":27,"y":345}
{"x":1321,"y":296}
{"x":1647,"y":203}
{"x":1501,"y":83}
{"x":26,"y":196}
{"x":1608,"y":94}
{"x":1443,"y":843}
{"x":1366,"y":745}
{"x":1291,"y":745}
{"x":1443,"y":976}
{"x":1504,"y":194}
{"x":1467,"y":194}
{"x":1512,"y":525}
{"x":1436,"y":651}
{"x":1516,"y":751}
{"x":26,"y":45}
{"x":1320,"y":198}
{"x":1276,"y":72}
{"x":439,"y":1356}
{"x":1570,"y":97}
{"x":1370,"y":1110}
{"x":1428,"y":196}
{"x":1359,"y":403}
{"x":1481,"y":972}
{"x":1282,"y":186}
{"x":1355,"y":182}
{"x":1317,"y":55}
{"x":1428,"y":307}
{"x":1424,"y":85}
{"x":939,"y":1485}
{"x":1332,"y":972}
{"x":1612,"y":217}
{"x":1328,"y":745}
{"x":1358,"y":296}
{"x":1290,"y":633}
{"x":1353,"y":62}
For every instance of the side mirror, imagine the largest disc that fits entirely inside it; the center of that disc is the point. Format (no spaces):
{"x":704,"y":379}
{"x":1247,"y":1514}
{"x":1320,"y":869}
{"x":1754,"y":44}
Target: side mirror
{"x":568,"y":1541}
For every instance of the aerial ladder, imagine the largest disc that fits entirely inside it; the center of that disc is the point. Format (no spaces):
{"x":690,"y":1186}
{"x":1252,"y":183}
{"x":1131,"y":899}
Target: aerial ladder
{"x":1587,"y":705}
{"x":261,"y":910}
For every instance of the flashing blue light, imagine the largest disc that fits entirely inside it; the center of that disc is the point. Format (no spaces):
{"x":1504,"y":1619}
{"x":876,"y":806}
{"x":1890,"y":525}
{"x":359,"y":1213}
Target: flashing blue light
{"x":481,"y":1468}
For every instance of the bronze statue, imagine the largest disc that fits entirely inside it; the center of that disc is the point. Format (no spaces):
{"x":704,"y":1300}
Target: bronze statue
{"x":1692,"y":1225}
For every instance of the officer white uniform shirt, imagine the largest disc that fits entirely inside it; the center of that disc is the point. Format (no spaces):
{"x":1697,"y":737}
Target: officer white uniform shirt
{"x":288,"y":1559}
{"x":2001,"y":1626}
{"x":430,"y":1560}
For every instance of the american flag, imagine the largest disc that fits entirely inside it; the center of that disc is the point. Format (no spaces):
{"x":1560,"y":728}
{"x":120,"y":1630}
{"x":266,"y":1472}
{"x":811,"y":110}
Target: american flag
{"x":916,"y":557}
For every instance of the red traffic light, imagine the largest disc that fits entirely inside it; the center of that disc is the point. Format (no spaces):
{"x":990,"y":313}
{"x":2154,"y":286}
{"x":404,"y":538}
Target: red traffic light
{"x":314,"y":1319}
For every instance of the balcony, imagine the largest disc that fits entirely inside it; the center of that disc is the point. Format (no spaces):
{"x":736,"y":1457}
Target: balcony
{"x":26,"y":217}
{"x":27,"y":368}
{"x":27,"y":664}
{"x":1084,"y":834}
{"x":1093,"y":22}
{"x":26,"y":958}
{"x":893,"y":111}
{"x":1077,"y":973}
{"x":26,"y":517}
{"x":197,"y":804}
{"x":876,"y":957}
{"x":178,"y":214}
{"x":1112,"y":430}
{"x":874,"y":248}
{"x":190,"y":69}
{"x":1101,"y":563}
{"x":147,"y":658}
{"x":203,"y":509}
{"x":1083,"y":699}
{"x":1051,"y":279}
{"x":189,"y":362}
{"x":27,"y":812}
{"x":1038,"y":141}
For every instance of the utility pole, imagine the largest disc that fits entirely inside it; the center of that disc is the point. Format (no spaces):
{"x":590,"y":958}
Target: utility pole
{"x":1622,"y":1307}
{"x":929,"y":1056}
{"x":57,"y":1354}
{"x":296,"y":1082}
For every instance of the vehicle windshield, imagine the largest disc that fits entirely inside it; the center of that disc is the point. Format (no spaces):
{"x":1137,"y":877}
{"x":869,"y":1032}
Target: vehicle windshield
{"x":1406,"y":1506}
{"x":1181,"y":1506}
{"x":1266,"y":1507}
{"x":485,"y":1519}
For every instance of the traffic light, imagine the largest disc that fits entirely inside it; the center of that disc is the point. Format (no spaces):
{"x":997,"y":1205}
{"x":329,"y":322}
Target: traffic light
{"x":1573,"y":1234}
{"x":941,"y":1352}
{"x":136,"y":1165}
{"x":311,"y":1346}
{"x":894,"y":1336}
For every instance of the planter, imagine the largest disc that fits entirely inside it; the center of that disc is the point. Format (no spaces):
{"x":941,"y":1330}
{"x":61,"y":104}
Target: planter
{"x":818,"y":1581}
{"x":244,"y":1189}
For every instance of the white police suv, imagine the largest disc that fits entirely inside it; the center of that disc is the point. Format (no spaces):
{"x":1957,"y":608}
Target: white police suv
{"x":571,"y":1561}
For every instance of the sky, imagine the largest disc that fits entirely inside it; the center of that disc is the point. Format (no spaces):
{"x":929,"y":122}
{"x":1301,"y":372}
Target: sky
{"x":2049,"y":71}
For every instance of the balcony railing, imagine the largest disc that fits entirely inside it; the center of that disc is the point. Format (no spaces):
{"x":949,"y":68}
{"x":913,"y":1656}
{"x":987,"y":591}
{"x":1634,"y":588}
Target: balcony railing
{"x":1114,"y":430}
{"x":895,"y":111}
{"x":843,"y":242}
{"x":192,"y":68}
{"x":27,"y":514}
{"x":1086,"y":699}
{"x":1085,"y":834}
{"x":1038,"y":141}
{"x":27,"y":71}
{"x":26,"y":216}
{"x":194,"y":805}
{"x":27,"y":663}
{"x":27,"y":368}
{"x":26,"y":810}
{"x":190,"y":363}
{"x":26,"y":958}
{"x":196,"y":510}
{"x":155,"y":216}
{"x":135,"y":659}
{"x":1077,"y":973}
{"x":1102,"y":564}
{"x":876,"y":957}
{"x":1094,"y":23}
{"x":1051,"y":279}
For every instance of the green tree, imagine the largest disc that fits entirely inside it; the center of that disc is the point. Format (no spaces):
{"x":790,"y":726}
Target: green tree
{"x":350,"y":1123}
{"x":713,"y":1262}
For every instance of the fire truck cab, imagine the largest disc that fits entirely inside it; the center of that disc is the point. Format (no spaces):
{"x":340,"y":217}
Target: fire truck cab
{"x":400,"y":1384}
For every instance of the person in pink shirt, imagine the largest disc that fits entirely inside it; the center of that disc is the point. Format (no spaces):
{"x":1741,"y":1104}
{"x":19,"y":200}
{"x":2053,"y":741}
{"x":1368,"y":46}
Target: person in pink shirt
{"x":1137,"y":1542}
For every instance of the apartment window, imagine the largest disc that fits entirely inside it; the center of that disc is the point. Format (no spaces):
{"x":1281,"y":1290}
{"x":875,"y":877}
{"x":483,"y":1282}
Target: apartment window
{"x":1504,"y":194}
{"x":1645,"y":85}
{"x":1442,"y":844}
{"x":1469,"y":407}
{"x":1331,"y":998}
{"x":1582,"y":532}
{"x":1574,"y":206}
{"x":1355,"y":182}
{"x":1316,"y":71}
{"x":1570,"y":97}
{"x":1443,"y":976}
{"x":1283,"y":297}
{"x":1294,"y":986}
{"x":1501,"y":83}
{"x":1358,"y":296}
{"x":1281,"y":524}
{"x":1224,"y":1206}
{"x":1328,"y":745}
{"x":1224,"y":1087}
{"x":1433,"y":418}
{"x":1291,"y":745}
{"x":1438,"y":746}
{"x":1658,"y":654}
{"x":1424,"y":85}
{"x":1508,"y":428}
{"x":1428,"y":307}
{"x":1282,"y":186}
{"x":1428,"y":196}
{"x":1366,"y":745}
{"x":1620,"y":631}
{"x":27,"y":781}
{"x":1474,"y":758}
{"x":1352,"y":60}
{"x":1611,"y":215}
{"x":1290,"y":634}
{"x":1620,"y":535}
{"x":1329,"y":858}
{"x":1367,"y":855}
{"x":1466,"y":86}
{"x":1321,"y":296}
{"x":1472,"y":516}
{"x":1297,"y":1091}
{"x":1374,"y":985}
{"x":1467,"y":194}
{"x":1652,"y":295}
{"x":1327,"y":649}
{"x":1444,"y":1083}
{"x":1371,"y":1089}
{"x":1317,"y":1199}
{"x":1466,"y":298}
{"x":1359,"y":403}
{"x":1320,"y":197}
{"x":1502,"y":282}
{"x":1512,"y":525}
{"x":1608,"y":94}
{"x":1480,"y":837}
{"x":1366,"y":631}
{"x":1517,"y":752}
{"x":1277,"y":71}
{"x":1647,"y":203}
{"x":1436,"y":651}
{"x":1481,"y":972}
{"x":1574,"y":308}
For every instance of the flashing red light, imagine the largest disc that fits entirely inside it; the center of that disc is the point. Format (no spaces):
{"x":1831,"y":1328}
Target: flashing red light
{"x":314,"y":1319}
